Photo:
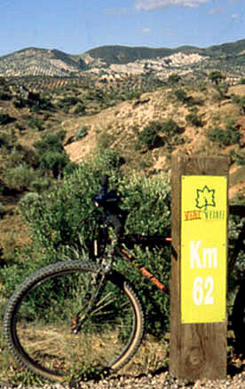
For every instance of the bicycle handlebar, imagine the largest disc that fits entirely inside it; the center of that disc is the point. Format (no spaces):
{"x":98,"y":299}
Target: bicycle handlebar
{"x":104,"y":198}
{"x":109,"y":202}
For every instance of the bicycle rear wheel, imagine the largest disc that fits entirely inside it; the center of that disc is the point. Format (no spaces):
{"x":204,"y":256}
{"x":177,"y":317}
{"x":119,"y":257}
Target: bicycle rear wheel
{"x":238,"y":318}
{"x":39,"y":316}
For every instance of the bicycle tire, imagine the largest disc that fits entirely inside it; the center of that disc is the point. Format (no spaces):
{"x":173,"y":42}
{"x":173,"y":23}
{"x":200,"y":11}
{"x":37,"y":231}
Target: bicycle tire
{"x":40,"y":311}
{"x":238,"y":317}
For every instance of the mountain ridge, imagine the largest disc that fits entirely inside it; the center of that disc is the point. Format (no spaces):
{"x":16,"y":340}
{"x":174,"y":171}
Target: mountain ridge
{"x":53,"y":62}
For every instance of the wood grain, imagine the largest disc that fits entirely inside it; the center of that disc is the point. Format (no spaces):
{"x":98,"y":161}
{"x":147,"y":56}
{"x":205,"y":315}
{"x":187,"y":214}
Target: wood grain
{"x":196,"y":350}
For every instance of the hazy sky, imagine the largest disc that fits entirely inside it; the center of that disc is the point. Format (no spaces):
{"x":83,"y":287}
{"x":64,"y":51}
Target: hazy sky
{"x":75,"y":26}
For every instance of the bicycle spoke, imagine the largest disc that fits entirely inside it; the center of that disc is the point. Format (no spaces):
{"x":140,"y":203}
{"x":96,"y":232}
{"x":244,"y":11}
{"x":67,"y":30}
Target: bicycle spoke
{"x":49,"y":335}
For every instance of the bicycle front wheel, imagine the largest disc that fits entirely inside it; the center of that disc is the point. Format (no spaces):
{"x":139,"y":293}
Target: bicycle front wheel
{"x":40,"y":316}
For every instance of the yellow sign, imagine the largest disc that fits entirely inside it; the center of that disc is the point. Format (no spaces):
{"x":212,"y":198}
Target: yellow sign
{"x":203,"y":249}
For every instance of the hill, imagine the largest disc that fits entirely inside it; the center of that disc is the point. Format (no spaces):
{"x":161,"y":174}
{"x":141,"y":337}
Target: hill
{"x":143,"y":119}
{"x":228,"y":57}
{"x":123,"y":54}
{"x":39,"y":62}
{"x":50,"y":124}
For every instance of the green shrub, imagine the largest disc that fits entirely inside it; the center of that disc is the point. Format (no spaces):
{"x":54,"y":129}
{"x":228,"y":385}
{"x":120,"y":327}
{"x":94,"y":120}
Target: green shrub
{"x":241,"y":81}
{"x":40,"y":184}
{"x":238,"y":157}
{"x":55,"y":161}
{"x":5,"y":140}
{"x":225,"y":137}
{"x":36,"y":124}
{"x":149,"y":135}
{"x":19,"y":177}
{"x":79,"y":109}
{"x":194,"y":119}
{"x":216,"y":76}
{"x":170,"y":128}
{"x":19,"y":102}
{"x":67,"y":102}
{"x":240,"y":101}
{"x":181,"y":95}
{"x":52,"y":155}
{"x":81,"y":133}
{"x":52,"y":142}
{"x":5,"y":119}
{"x":64,"y":221}
{"x":174,"y":78}
{"x":5,"y":96}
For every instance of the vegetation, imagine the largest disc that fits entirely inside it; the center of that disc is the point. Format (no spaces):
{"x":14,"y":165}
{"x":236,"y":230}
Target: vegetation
{"x":47,"y":199}
{"x":194,"y":119}
{"x":149,"y":136}
{"x":181,"y":95}
{"x":216,"y":76}
{"x":51,"y":153}
{"x":63,"y":220}
{"x":240,"y":101}
{"x":225,"y":137}
{"x":5,"y":119}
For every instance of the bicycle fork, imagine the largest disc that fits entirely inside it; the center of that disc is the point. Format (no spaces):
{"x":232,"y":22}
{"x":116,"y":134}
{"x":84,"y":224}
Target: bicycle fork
{"x":93,"y":304}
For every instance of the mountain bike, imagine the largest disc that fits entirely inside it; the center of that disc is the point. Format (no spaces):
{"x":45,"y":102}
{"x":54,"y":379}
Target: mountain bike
{"x":80,"y":317}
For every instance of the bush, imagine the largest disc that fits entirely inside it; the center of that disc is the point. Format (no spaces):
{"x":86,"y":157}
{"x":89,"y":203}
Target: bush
{"x":67,"y":102}
{"x":40,"y":184}
{"x":5,"y":96}
{"x":225,"y":137}
{"x":19,"y":177}
{"x":64,"y":221}
{"x":5,"y":119}
{"x":81,"y":133}
{"x":51,"y":142}
{"x":36,"y":124}
{"x":170,"y":128}
{"x":181,"y":95}
{"x":149,"y":135}
{"x":216,"y":76}
{"x":79,"y":109}
{"x":19,"y":102}
{"x":52,"y":155}
{"x":241,"y":81}
{"x":240,"y":101}
{"x":5,"y":140}
{"x":174,"y":78}
{"x":194,"y":119}
{"x":55,"y":161}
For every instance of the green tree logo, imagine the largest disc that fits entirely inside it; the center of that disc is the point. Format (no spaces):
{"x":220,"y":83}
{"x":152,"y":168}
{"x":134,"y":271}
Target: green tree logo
{"x":205,"y":198}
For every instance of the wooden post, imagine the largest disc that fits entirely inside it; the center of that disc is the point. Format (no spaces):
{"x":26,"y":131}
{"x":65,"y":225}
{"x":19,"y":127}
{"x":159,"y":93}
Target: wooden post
{"x":198,"y":341}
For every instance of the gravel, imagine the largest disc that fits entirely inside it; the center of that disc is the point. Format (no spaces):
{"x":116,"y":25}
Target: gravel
{"x":160,"y":381}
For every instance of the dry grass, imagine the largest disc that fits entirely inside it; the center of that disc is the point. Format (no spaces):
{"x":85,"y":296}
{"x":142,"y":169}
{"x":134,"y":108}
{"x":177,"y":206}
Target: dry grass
{"x":151,"y":356}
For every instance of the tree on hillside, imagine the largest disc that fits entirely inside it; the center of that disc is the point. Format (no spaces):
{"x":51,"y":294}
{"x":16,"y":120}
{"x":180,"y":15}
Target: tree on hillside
{"x":51,"y":153}
{"x":174,"y":78}
{"x":216,"y":76}
{"x":181,"y":95}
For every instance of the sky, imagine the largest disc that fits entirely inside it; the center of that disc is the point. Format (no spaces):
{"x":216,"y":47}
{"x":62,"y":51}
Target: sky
{"x":76,"y":26}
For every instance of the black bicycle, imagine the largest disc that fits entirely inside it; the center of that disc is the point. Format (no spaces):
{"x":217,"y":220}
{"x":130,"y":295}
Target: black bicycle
{"x":78,"y":316}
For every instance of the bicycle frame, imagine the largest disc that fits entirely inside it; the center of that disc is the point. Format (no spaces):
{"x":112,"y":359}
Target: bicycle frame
{"x":151,"y":240}
{"x":239,"y":245}
{"x":123,"y":241}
